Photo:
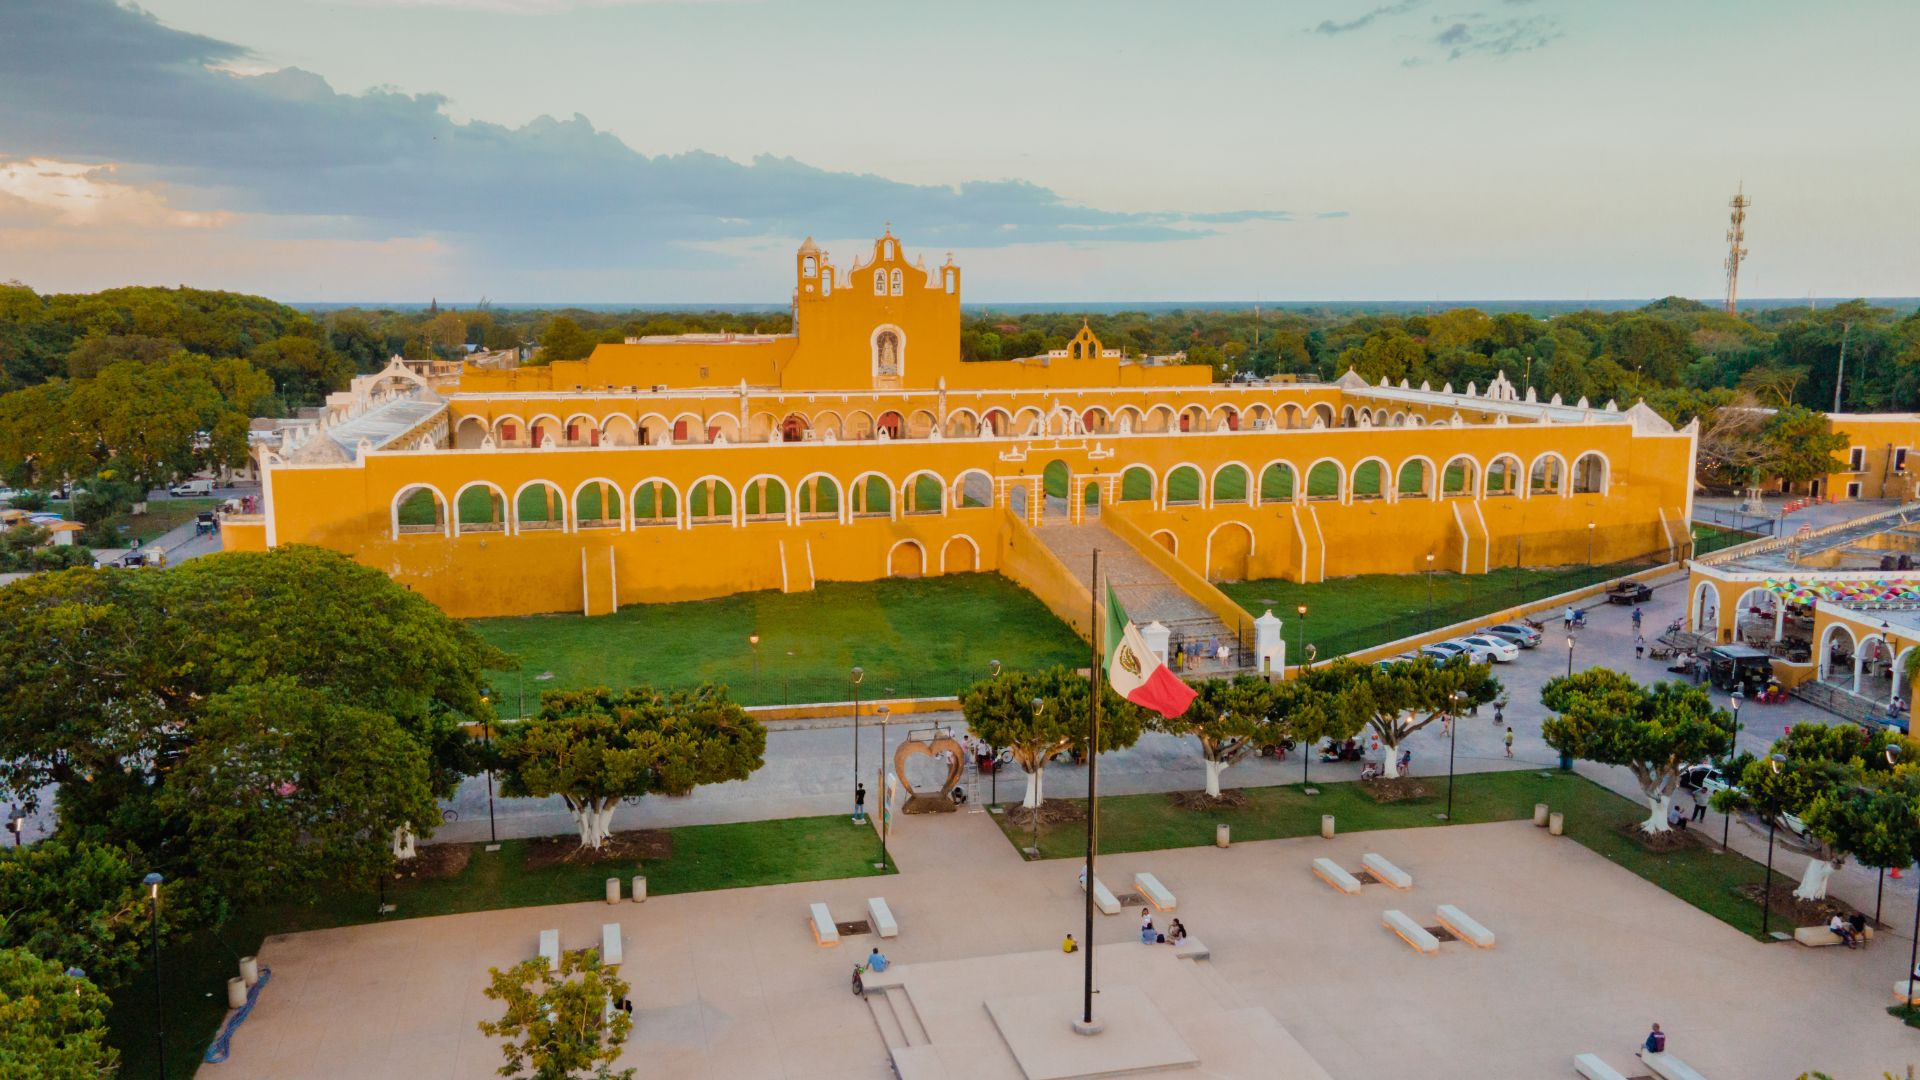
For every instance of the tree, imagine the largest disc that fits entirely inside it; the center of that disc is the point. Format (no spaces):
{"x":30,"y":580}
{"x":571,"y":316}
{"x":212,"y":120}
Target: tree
{"x":1004,"y":708}
{"x":1878,"y":825}
{"x":1308,"y":715}
{"x":79,"y":905}
{"x":560,"y":1024}
{"x":53,"y":1026}
{"x":1604,"y":716}
{"x":597,"y":748}
{"x":564,"y":340}
{"x":1229,"y":718}
{"x":285,"y":788}
{"x":304,"y":371}
{"x":1400,"y":699}
{"x":1801,"y":444}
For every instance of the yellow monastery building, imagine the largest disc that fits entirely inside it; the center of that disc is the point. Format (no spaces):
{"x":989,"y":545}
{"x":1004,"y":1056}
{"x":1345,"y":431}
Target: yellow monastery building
{"x":861,"y":446}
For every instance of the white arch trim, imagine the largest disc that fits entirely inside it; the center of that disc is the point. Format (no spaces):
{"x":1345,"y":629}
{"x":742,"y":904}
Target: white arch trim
{"x":1253,"y":543}
{"x":679,"y":502}
{"x":506,"y":507}
{"x":446,"y":525}
{"x":943,"y":551}
{"x":566,"y":505}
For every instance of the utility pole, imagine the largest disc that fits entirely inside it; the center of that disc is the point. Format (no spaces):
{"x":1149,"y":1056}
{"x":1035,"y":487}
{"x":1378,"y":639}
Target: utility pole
{"x":1736,"y":236}
{"x":1840,"y":377}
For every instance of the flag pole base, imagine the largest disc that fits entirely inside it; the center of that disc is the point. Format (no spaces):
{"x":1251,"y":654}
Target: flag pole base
{"x":1088,"y":1027}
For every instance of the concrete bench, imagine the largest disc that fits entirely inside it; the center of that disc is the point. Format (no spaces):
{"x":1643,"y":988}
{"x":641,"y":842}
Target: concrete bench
{"x":1465,"y":927}
{"x":1192,"y":949}
{"x":1335,"y":875}
{"x":1104,"y":899}
{"x":550,"y":948}
{"x":1906,"y":993}
{"x":1410,"y":932}
{"x":1591,"y":1067}
{"x":610,"y":951}
{"x":1386,"y":873}
{"x":1814,"y":937}
{"x":824,"y":932}
{"x":1668,"y":1067}
{"x":1155,"y":893}
{"x":882,"y":917}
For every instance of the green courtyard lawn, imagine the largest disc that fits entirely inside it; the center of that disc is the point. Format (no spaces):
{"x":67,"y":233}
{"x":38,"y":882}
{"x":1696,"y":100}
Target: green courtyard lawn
{"x":1348,"y":614}
{"x":162,"y":517}
{"x":1594,"y":818}
{"x":1708,"y":539}
{"x":915,"y":637}
{"x":704,"y":857}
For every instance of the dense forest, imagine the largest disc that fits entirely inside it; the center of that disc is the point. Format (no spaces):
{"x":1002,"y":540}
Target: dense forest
{"x":130,"y":359}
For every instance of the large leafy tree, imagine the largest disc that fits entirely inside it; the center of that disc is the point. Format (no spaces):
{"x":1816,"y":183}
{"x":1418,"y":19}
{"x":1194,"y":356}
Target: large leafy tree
{"x":1228,"y":718}
{"x":304,"y":370}
{"x":597,"y":748}
{"x":1604,"y":716}
{"x":563,"y":339}
{"x":558,"y":1024}
{"x":1397,"y":700}
{"x":52,"y":1026}
{"x":79,"y":905}
{"x":1001,"y":711}
{"x":1309,"y":714}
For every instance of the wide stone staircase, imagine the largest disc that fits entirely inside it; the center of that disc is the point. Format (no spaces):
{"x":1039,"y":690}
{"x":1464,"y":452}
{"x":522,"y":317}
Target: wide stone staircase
{"x":1147,"y":593}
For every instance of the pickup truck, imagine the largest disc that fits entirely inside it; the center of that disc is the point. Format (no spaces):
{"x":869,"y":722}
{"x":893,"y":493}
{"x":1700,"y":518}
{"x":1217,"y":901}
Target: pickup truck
{"x":1629,"y":592}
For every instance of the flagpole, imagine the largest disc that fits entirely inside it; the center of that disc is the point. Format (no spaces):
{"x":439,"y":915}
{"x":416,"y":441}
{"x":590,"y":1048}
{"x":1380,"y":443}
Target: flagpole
{"x":1086,"y":1025}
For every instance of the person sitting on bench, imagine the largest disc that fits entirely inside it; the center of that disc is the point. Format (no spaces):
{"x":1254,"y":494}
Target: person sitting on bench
{"x":877,"y":960}
{"x":1841,"y":930}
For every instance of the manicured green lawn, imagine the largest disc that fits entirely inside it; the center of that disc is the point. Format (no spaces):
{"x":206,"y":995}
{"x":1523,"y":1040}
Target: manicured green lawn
{"x":705,"y":857}
{"x":1594,"y":817}
{"x":1711,"y":538}
{"x":914,"y":637}
{"x":1346,"y":614}
{"x":162,"y":517}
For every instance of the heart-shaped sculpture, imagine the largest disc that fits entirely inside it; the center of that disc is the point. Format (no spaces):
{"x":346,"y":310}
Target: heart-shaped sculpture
{"x":929,"y":802}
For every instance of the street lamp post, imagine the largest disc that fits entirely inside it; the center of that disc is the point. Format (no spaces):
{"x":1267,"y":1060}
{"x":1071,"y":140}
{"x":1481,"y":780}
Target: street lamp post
{"x":858,"y":674}
{"x":152,"y":882}
{"x":886,"y":804}
{"x":1766,"y":891}
{"x":1429,"y":590}
{"x":1726,"y":821}
{"x":753,"y":639}
{"x":1034,"y":816}
{"x":1589,"y":545}
{"x":1302,"y":609}
{"x":1569,"y":655}
{"x":1453,"y":737}
{"x":994,"y":757}
{"x":493,"y":837}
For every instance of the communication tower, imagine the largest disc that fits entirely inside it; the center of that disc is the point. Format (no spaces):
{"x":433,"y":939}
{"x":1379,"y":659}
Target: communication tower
{"x":1736,"y":236}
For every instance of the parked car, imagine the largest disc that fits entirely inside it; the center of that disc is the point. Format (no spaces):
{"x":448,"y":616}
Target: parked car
{"x":1452,"y":647}
{"x":191,"y":488}
{"x":1499,"y":650}
{"x":1710,"y":779}
{"x":1441,"y":651}
{"x":1519,"y":633}
{"x":1395,"y":660}
{"x":1629,"y":592}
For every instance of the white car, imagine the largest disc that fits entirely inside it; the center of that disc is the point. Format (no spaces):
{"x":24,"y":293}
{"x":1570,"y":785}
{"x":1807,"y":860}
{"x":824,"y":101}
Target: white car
{"x":1499,"y":649}
{"x":1444,"y":651}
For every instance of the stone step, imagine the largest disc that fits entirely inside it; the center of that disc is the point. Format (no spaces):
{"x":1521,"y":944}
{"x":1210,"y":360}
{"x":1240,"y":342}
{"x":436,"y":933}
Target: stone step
{"x":881,"y":1006}
{"x":1146,"y":592}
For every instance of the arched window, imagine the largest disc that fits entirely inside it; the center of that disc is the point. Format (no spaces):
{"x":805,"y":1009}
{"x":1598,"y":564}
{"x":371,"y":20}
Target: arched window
{"x":897,"y":284}
{"x":1590,"y":475}
{"x":819,"y":498}
{"x":1277,"y":483}
{"x":480,"y":507}
{"x":1503,"y":476}
{"x":655,"y":503}
{"x":765,"y":499}
{"x":539,"y":505}
{"x":710,"y":502}
{"x":1459,"y":476}
{"x":1413,"y":478}
{"x":879,"y":283}
{"x":1323,"y":481}
{"x":1231,"y":484}
{"x":419,"y":510}
{"x":1183,"y":486}
{"x":922,"y":494}
{"x":1546,"y":476}
{"x":1136,"y":484}
{"x":808,"y":266}
{"x":596,"y":506}
{"x":872,"y":496}
{"x":1369,"y":480}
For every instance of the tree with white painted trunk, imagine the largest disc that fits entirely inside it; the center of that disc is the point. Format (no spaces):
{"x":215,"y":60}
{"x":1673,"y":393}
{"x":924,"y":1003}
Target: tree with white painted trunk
{"x":1229,"y":718}
{"x":597,"y":748}
{"x":1000,"y":711}
{"x":1400,"y":698}
{"x":1604,"y":716}
{"x":1821,"y":786}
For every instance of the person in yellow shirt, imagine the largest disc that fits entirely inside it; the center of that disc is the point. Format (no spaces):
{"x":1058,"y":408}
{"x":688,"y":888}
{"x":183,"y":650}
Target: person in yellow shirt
{"x":1069,"y":945}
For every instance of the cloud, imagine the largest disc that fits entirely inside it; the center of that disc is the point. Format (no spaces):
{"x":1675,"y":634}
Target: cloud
{"x":73,"y":194}
{"x":524,"y":7}
{"x":1330,"y":27}
{"x":1479,"y":34}
{"x":94,"y":81}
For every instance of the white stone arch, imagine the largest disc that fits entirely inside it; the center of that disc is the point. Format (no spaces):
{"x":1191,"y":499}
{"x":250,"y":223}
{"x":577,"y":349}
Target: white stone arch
{"x":1253,"y":483}
{"x":1198,"y":418}
{"x":1823,"y":656}
{"x":841,"y":504}
{"x":1166,"y":485}
{"x":1871,"y":646}
{"x":696,"y":429}
{"x":573,"y":503}
{"x":550,"y":429}
{"x":971,"y":542}
{"x":1429,"y":478}
{"x":1388,"y":481}
{"x":1292,"y":416}
{"x":522,"y":432}
{"x":1029,"y":421}
{"x":1743,"y":608}
{"x":1592,"y":479}
{"x":906,"y":485}
{"x":1519,"y":476}
{"x":1253,"y":542}
{"x":585,"y":438}
{"x":825,"y":421}
{"x":957,"y":493}
{"x":446,"y":509}
{"x":911,"y":543}
{"x":1323,"y":412}
{"x":619,"y":429}
{"x":1105,"y":425}
{"x":1168,"y":421}
{"x":566,"y":509}
{"x":1062,"y":420}
{"x":1153,"y":484}
{"x":859,"y":485}
{"x":1260,"y":481}
{"x":656,"y":429}
{"x":467,"y":437}
{"x":1399,"y":418}
{"x":1561,"y":487}
{"x":1348,"y":417}
{"x":1340,"y":477}
{"x":997,"y":420}
{"x":732,"y":517}
{"x":723,"y":425}
{"x":1257,"y":413}
{"x":506,"y":509}
{"x":920,"y":424}
{"x":1703,"y":610}
{"x":1224,"y":417}
{"x":1471,"y":465}
{"x":788,"y":503}
{"x":873,"y":350}
{"x":955,"y":429}
{"x":678,"y":519}
{"x":1129,"y":419}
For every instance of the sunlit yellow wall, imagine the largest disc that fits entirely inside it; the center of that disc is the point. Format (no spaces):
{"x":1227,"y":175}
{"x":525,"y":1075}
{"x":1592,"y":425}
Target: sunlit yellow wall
{"x":1885,"y":472}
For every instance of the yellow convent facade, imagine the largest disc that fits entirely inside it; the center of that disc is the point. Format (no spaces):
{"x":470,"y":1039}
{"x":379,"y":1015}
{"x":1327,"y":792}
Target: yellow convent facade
{"x":861,"y":446}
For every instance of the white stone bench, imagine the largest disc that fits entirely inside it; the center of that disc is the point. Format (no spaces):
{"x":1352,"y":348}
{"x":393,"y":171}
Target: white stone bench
{"x":1386,"y":873}
{"x":550,"y":948}
{"x":1465,"y":927}
{"x":1591,"y":1067}
{"x":1192,"y":949}
{"x":610,"y":951}
{"x":1410,"y":932}
{"x":824,"y":932}
{"x":882,"y":917}
{"x":1155,"y":893}
{"x":1816,"y":936}
{"x":1906,"y":993}
{"x":1335,"y":875}
{"x":1668,"y":1067}
{"x":1104,"y":899}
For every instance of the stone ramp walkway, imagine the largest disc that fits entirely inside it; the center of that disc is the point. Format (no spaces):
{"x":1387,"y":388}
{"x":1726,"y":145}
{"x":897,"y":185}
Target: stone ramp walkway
{"x":1147,"y":593}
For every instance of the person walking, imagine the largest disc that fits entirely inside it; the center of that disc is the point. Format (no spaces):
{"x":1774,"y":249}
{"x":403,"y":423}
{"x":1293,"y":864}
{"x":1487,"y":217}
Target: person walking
{"x":1509,"y":740}
{"x":859,"y":802}
{"x":1636,"y":619}
{"x":1700,"y":801}
{"x":1639,"y":647}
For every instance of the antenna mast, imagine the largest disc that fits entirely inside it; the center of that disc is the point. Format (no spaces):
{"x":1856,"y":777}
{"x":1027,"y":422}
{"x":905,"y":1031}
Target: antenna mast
{"x":1736,"y":236}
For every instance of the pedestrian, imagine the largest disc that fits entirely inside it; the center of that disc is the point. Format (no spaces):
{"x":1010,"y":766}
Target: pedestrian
{"x":1509,"y":740}
{"x":859,"y":802}
{"x":1700,"y":801}
{"x":1656,"y":1042}
{"x":1147,"y":934}
{"x":1636,"y":619}
{"x":1639,"y":647}
{"x":1566,"y":621}
{"x":877,"y":960}
{"x":1500,"y":712}
{"x":1069,"y":945}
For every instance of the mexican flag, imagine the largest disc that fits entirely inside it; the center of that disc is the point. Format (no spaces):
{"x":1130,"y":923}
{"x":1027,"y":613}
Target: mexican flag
{"x":1133,"y":669}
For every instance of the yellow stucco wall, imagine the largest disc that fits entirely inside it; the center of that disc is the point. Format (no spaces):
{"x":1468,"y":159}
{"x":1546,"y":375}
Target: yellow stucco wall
{"x":1884,"y":447}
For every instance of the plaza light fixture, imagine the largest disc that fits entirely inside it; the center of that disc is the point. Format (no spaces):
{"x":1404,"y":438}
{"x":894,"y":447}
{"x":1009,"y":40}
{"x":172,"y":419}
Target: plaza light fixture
{"x":886,"y":804}
{"x":857,"y":674}
{"x":753,"y":640}
{"x":152,"y":882}
{"x":1726,"y":823}
{"x":1766,"y":893}
{"x":1039,"y":705}
{"x":1429,"y":590}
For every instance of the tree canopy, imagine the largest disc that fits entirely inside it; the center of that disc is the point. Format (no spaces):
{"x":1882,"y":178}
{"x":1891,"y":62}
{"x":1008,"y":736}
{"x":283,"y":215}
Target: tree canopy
{"x":52,"y":1026}
{"x":1399,"y":699}
{"x":78,"y":904}
{"x":1605,"y":716}
{"x":557,"y":1025}
{"x":1228,"y":718}
{"x":1000,"y":711}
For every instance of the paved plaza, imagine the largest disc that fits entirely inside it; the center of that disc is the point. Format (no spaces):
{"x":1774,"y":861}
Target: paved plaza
{"x":730,"y":984}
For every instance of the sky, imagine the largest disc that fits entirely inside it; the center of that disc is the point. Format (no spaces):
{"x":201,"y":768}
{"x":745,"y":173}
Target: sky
{"x":650,"y":151}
